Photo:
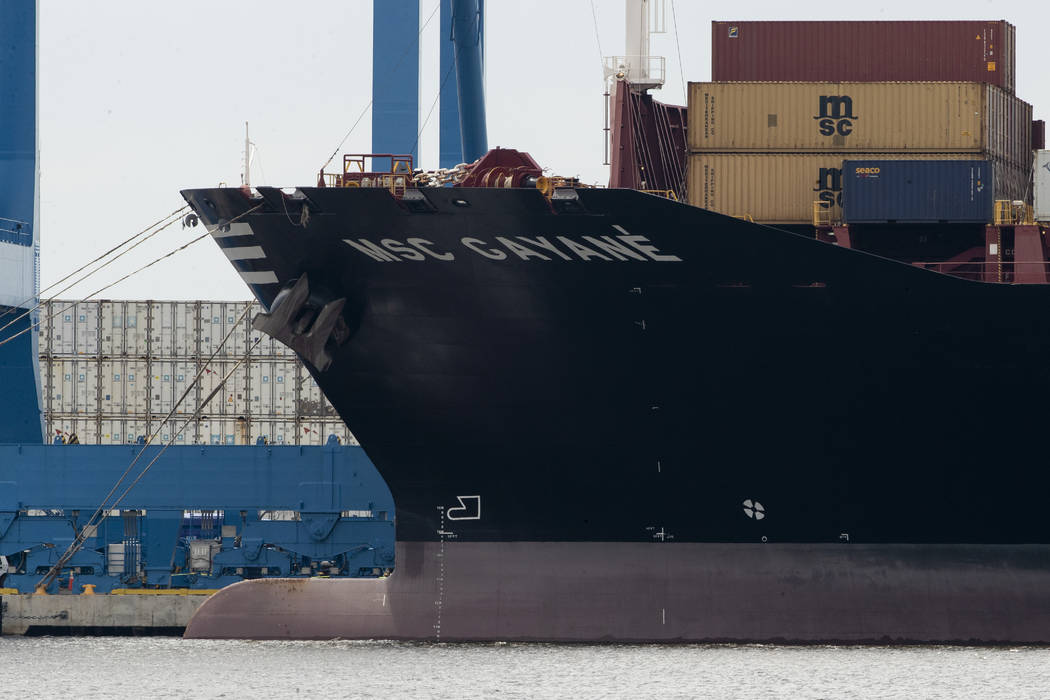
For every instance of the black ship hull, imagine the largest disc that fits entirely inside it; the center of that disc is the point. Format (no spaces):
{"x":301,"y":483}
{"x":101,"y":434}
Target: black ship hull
{"x":613,"y":368}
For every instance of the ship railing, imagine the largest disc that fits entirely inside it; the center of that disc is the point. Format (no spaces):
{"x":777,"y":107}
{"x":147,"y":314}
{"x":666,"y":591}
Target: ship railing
{"x":1012,"y":271}
{"x":639,"y":71}
{"x":15,"y":231}
{"x":395,"y":184}
{"x":822,"y":215}
{"x":666,"y":194}
{"x":1013,"y":213}
{"x":359,"y":171}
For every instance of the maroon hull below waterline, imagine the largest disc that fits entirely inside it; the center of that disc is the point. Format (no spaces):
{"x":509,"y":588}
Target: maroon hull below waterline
{"x":660,"y":592}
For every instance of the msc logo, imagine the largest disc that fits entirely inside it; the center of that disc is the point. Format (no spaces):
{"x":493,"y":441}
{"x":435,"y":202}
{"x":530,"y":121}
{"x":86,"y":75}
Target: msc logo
{"x":829,"y":187}
{"x":835,"y":115}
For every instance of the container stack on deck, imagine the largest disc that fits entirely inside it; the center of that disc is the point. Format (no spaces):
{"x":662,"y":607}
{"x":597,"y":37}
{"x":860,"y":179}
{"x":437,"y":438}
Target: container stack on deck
{"x":919,"y":119}
{"x":112,"y":370}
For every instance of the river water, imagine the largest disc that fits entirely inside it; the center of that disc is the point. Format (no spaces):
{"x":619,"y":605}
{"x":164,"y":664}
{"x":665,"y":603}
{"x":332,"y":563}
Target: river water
{"x":167,"y":667}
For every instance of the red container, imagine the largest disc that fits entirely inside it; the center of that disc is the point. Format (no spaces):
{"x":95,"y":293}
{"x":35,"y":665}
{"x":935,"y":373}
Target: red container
{"x":967,"y":51}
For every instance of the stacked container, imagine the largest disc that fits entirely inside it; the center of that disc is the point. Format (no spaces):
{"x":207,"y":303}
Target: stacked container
{"x":773,"y":151}
{"x":972,"y":51}
{"x":113,"y":370}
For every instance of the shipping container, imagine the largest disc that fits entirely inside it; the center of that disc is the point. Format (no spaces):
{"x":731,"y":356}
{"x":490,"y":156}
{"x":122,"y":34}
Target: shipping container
{"x":784,"y":188}
{"x":173,"y":328}
{"x":151,"y":353}
{"x":95,"y":430}
{"x":917,"y":191}
{"x":859,"y":51}
{"x":71,"y":327}
{"x":1038,"y":135}
{"x":71,"y":385}
{"x":230,"y":396}
{"x":122,"y":431}
{"x":863,"y":117}
{"x":86,"y":429}
{"x":273,"y":387}
{"x":1042,"y":186}
{"x":124,"y":328}
{"x":225,"y":431}
{"x":124,"y":387}
{"x":152,"y":329}
{"x":205,"y":431}
{"x":169,"y":381}
{"x":219,"y":320}
{"x":44,"y":332}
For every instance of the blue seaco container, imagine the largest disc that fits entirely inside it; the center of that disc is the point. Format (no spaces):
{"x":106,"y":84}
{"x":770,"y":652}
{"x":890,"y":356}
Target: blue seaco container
{"x":917,"y":191}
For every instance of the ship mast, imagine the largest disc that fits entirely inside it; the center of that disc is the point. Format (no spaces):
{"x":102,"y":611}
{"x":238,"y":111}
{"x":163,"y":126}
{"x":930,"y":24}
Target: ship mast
{"x":642,"y":71}
{"x":249,"y":153}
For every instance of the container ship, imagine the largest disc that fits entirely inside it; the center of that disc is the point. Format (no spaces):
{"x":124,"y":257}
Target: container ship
{"x":607,"y":415}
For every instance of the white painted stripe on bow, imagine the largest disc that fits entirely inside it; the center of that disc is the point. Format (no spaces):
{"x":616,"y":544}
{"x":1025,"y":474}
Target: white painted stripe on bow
{"x":236,"y":229}
{"x":248,"y":252}
{"x":265,"y":277}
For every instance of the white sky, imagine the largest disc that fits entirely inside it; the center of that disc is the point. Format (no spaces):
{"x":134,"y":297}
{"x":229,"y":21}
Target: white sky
{"x":139,"y":100}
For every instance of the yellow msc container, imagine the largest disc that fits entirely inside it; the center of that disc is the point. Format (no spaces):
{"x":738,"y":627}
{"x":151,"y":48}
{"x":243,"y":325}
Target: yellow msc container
{"x":860,"y":117}
{"x":785,"y":188}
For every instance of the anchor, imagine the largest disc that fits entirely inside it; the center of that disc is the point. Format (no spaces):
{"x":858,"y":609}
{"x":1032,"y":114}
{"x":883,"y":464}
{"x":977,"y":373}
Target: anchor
{"x":297,"y":323}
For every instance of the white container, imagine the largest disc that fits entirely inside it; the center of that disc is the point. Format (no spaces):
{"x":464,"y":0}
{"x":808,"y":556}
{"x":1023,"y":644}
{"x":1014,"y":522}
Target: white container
{"x":272,"y":387}
{"x":232,"y":396}
{"x":136,"y":328}
{"x":173,"y":329}
{"x":71,"y":386}
{"x":43,"y":329}
{"x":162,"y":385}
{"x":111,"y":387}
{"x":169,"y":380}
{"x":137,"y":380}
{"x":224,"y":431}
{"x":216,"y":320}
{"x":66,"y":426}
{"x":70,"y":328}
{"x":286,"y":387}
{"x":124,"y":387}
{"x":312,"y":432}
{"x":261,"y":383}
{"x":183,"y":373}
{"x":166,"y":430}
{"x":294,"y":432}
{"x":112,"y":370}
{"x":1042,"y":186}
{"x":87,"y":335}
{"x":111,"y":328}
{"x":123,"y":431}
{"x":276,"y":432}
